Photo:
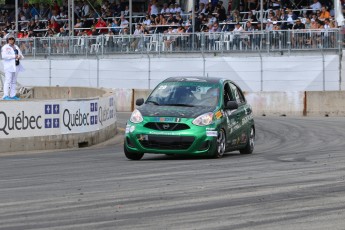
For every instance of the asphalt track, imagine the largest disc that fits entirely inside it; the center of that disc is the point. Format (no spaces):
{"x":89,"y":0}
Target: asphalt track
{"x":294,"y":180}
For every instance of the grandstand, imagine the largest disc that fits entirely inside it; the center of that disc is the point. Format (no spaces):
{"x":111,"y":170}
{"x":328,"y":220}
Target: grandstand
{"x":109,"y":28}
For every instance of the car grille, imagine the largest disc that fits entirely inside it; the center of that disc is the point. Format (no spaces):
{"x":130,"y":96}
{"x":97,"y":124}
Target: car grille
{"x":167,"y":142}
{"x":166,"y":126}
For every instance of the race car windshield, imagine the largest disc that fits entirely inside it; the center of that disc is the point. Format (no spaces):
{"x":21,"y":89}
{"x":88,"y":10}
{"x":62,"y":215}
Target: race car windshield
{"x":185,"y":94}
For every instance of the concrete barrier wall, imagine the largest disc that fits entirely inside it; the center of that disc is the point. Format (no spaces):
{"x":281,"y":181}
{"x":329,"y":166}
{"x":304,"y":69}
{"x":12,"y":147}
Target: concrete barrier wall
{"x":56,"y":118}
{"x":67,"y":92}
{"x":276,"y":103}
{"x":325,"y":103}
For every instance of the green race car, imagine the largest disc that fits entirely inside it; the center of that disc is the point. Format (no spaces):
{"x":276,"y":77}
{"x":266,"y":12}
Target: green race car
{"x":191,"y":116}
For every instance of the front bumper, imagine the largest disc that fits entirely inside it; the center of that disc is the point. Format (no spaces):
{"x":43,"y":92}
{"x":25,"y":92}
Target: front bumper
{"x":197,"y":140}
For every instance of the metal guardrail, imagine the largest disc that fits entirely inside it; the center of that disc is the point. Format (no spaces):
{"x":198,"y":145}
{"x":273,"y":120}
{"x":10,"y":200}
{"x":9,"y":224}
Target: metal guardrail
{"x":256,"y":41}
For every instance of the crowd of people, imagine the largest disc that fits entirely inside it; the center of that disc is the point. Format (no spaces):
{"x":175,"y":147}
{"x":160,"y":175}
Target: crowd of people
{"x":112,"y":18}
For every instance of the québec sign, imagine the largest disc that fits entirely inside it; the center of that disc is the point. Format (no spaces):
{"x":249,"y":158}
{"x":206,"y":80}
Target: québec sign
{"x":29,"y":118}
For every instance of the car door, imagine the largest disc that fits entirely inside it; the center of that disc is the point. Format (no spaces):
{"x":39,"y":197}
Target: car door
{"x":244,"y":114}
{"x":233,"y":118}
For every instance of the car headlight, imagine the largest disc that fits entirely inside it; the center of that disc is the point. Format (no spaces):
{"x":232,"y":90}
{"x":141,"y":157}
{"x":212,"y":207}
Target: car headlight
{"x":136,"y":117}
{"x":204,"y":119}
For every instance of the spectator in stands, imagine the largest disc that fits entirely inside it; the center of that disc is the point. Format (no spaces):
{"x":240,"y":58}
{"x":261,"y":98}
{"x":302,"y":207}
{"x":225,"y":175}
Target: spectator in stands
{"x":237,"y":35}
{"x":52,"y":24}
{"x":209,"y":9}
{"x":220,"y":11}
{"x":326,"y":34}
{"x":31,"y":33}
{"x":316,"y":5}
{"x":34,"y":11}
{"x":162,"y":20}
{"x":251,"y":17}
{"x":171,"y":19}
{"x":172,"y":8}
{"x":55,"y":15}
{"x":137,"y":36}
{"x":269,"y":26}
{"x":177,"y":8}
{"x":100,"y":25}
{"x":275,"y":36}
{"x":201,"y":9}
{"x":147,"y":20}
{"x":32,"y":25}
{"x":40,"y":25}
{"x":62,"y":33}
{"x":324,"y":14}
{"x":165,"y":10}
{"x":290,"y":18}
{"x":298,"y":38}
{"x":85,"y":10}
{"x":236,"y":16}
{"x":123,"y":22}
{"x":156,"y":20}
{"x":126,"y":11}
{"x":275,"y":4}
{"x":154,"y":8}
{"x":211,"y":19}
{"x":188,"y":28}
{"x":178,"y":19}
{"x":79,"y":23}
{"x":180,"y":30}
{"x":307,"y":23}
{"x":247,"y":41}
{"x":169,"y":38}
{"x":314,"y":18}
{"x":114,"y":25}
{"x":270,"y":15}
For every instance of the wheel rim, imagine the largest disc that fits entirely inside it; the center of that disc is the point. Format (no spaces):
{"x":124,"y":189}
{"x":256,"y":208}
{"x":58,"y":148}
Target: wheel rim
{"x":221,"y":143}
{"x":252,"y":139}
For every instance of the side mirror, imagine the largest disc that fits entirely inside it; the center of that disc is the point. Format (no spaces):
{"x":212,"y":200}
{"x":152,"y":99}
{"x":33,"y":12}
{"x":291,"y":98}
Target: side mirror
{"x":139,"y":101}
{"x":232,"y":105}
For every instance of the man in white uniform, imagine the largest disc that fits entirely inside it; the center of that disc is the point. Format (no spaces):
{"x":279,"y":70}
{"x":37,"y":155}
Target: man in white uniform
{"x":11,"y":56}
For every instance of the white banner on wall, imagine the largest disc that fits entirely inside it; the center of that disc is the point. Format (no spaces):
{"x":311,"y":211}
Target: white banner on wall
{"x":55,"y":117}
{"x":253,"y":74}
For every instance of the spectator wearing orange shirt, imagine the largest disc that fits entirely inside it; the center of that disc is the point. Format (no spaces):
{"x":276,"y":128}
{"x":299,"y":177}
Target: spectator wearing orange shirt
{"x":324,"y":14}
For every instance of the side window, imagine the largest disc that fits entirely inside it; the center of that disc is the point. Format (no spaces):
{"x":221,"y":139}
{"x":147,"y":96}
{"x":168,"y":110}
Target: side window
{"x":228,"y":96}
{"x":237,"y":94}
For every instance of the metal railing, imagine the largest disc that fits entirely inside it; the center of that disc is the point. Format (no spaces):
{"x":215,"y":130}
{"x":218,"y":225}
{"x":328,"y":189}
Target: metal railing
{"x":223,"y":42}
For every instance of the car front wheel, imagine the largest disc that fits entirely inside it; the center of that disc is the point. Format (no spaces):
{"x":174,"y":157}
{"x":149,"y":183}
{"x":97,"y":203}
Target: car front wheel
{"x":250,"y":143}
{"x":220,"y":146}
{"x":132,"y":156}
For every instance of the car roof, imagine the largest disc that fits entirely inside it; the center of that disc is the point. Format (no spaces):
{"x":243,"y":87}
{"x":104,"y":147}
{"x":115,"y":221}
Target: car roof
{"x":195,"y":79}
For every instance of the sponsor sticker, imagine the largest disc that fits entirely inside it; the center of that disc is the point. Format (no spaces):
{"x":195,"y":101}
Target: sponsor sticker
{"x":166,"y":119}
{"x":211,"y":133}
{"x":218,"y":114}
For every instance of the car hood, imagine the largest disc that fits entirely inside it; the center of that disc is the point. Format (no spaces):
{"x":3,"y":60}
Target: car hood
{"x":174,"y":111}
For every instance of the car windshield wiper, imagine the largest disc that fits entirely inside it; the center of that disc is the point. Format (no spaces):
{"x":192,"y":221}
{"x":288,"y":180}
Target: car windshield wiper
{"x":153,"y":102}
{"x":177,"y":104}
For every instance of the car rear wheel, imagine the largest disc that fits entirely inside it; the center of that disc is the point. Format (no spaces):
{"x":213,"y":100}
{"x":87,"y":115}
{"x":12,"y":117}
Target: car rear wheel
{"x":250,"y":143}
{"x":131,"y":155}
{"x":220,"y":147}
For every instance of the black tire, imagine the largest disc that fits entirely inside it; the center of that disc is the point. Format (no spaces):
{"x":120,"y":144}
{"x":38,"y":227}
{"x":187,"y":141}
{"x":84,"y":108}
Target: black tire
{"x":132,"y":156}
{"x":250,"y":143}
{"x":221,"y":145}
